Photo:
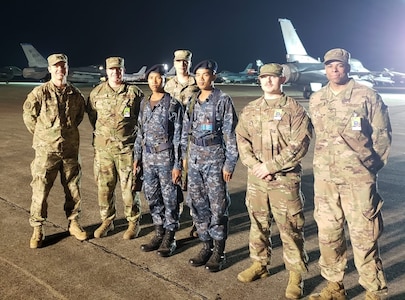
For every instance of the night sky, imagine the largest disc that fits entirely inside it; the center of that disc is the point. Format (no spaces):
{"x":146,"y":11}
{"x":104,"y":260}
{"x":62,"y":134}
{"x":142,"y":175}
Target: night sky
{"x":233,"y":33}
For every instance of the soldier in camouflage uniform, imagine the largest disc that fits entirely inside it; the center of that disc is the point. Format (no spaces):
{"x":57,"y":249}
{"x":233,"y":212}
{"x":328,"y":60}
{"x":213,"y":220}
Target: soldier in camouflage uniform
{"x":273,"y":135}
{"x":209,"y":132}
{"x":157,"y":146}
{"x":52,"y":113}
{"x":353,"y":139}
{"x":182,"y":87}
{"x":113,"y":108}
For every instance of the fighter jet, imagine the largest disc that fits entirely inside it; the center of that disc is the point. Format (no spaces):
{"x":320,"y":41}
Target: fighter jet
{"x":38,"y":68}
{"x":248,"y":75}
{"x":308,"y":72}
{"x":135,"y":77}
{"x":397,"y":77}
{"x":9,"y":72}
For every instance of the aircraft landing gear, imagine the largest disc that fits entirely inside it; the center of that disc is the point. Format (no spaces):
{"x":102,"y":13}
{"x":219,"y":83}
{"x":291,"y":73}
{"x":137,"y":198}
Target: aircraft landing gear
{"x":307,"y":92}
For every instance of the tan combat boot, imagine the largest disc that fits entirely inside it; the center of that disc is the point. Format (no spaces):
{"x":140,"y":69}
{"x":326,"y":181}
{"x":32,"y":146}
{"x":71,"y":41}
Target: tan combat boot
{"x":295,"y":287}
{"x":77,"y":231}
{"x":105,"y":227}
{"x":333,"y":291}
{"x":37,"y":237}
{"x":255,"y":271}
{"x":132,"y":231}
{"x":380,"y":295}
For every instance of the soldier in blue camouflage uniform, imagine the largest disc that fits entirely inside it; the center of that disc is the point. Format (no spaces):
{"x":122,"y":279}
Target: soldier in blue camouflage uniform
{"x":157,"y":147}
{"x":182,"y":87}
{"x":52,"y":113}
{"x":209,"y":132}
{"x":353,"y":140}
{"x":273,"y":134}
{"x":113,"y":108}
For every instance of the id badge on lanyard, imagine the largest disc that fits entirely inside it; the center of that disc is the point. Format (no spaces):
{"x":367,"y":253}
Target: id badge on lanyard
{"x":127,"y":112}
{"x":278,"y":113}
{"x":206,"y":125}
{"x":356,"y":122}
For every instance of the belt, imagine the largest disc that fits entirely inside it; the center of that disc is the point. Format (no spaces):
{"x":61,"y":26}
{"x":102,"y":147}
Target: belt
{"x":158,"y":148}
{"x":206,"y":142}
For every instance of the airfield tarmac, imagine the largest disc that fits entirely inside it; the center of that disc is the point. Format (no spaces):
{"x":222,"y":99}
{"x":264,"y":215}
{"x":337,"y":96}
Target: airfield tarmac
{"x":112,"y":268}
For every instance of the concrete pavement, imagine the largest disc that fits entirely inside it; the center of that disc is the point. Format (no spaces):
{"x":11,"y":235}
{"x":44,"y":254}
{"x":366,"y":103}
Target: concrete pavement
{"x":112,"y":268}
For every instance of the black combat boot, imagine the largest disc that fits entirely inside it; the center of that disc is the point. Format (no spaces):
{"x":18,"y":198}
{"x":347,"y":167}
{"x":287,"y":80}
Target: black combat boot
{"x":203,"y":256}
{"x":217,"y":259}
{"x":168,"y":244}
{"x":155,"y":241}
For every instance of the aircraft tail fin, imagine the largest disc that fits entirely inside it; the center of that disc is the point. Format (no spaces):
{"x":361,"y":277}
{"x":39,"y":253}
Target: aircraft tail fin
{"x":141,"y":71}
{"x":171,"y":72}
{"x":34,"y":58}
{"x":293,"y":45}
{"x":247,"y":69}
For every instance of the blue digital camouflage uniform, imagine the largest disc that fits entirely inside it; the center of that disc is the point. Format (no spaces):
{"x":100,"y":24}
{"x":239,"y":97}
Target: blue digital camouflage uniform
{"x":158,"y":147}
{"x":353,"y":139}
{"x":276,"y":132}
{"x":210,"y":127}
{"x":113,"y":115}
{"x":53,"y":117}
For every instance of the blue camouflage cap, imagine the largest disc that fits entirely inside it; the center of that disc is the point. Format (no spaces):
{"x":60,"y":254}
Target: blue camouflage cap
{"x":207,"y":64}
{"x":159,"y":68}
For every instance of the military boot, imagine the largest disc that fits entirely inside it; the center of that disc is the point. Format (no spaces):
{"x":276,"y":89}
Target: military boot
{"x":217,"y":259}
{"x":255,"y":271}
{"x":203,"y":256}
{"x":105,"y":227}
{"x":295,"y":287}
{"x":168,"y":244}
{"x":77,"y":231}
{"x":37,"y":237}
{"x":193,"y":231}
{"x":333,"y":291}
{"x":156,"y":241}
{"x":133,"y":230}
{"x":378,"y":295}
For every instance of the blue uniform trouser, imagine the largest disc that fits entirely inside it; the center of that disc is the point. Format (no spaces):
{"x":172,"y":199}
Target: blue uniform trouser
{"x":161,"y":193}
{"x":208,"y":200}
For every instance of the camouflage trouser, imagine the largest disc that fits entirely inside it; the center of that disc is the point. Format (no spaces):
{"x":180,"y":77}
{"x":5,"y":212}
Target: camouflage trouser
{"x":209,"y":200}
{"x":359,"y":204}
{"x":109,"y":167}
{"x":44,"y":169}
{"x":280,"y":200}
{"x":161,"y":192}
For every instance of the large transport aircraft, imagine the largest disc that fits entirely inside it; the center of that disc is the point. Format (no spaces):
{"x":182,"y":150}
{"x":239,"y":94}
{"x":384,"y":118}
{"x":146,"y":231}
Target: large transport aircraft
{"x":38,"y":68}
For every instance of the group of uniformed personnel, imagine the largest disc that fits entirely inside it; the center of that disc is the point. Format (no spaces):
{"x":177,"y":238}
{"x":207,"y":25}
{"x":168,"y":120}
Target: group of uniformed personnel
{"x":189,"y":124}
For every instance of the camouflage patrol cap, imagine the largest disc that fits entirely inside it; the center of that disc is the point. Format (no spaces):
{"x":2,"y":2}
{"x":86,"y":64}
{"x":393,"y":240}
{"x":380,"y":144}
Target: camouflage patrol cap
{"x":159,"y":68}
{"x":271,"y":69}
{"x":207,"y":64}
{"x":55,"y":58}
{"x":337,"y":54}
{"x":114,"y":62}
{"x":182,"y":55}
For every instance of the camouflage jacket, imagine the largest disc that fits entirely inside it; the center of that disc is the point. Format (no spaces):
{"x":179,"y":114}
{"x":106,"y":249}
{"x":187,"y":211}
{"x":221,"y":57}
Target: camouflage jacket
{"x":160,"y":128}
{"x":53,"y":117}
{"x":275,"y":132}
{"x":353,"y":133}
{"x":179,"y":91}
{"x":114,"y":115}
{"x":219,"y":110}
